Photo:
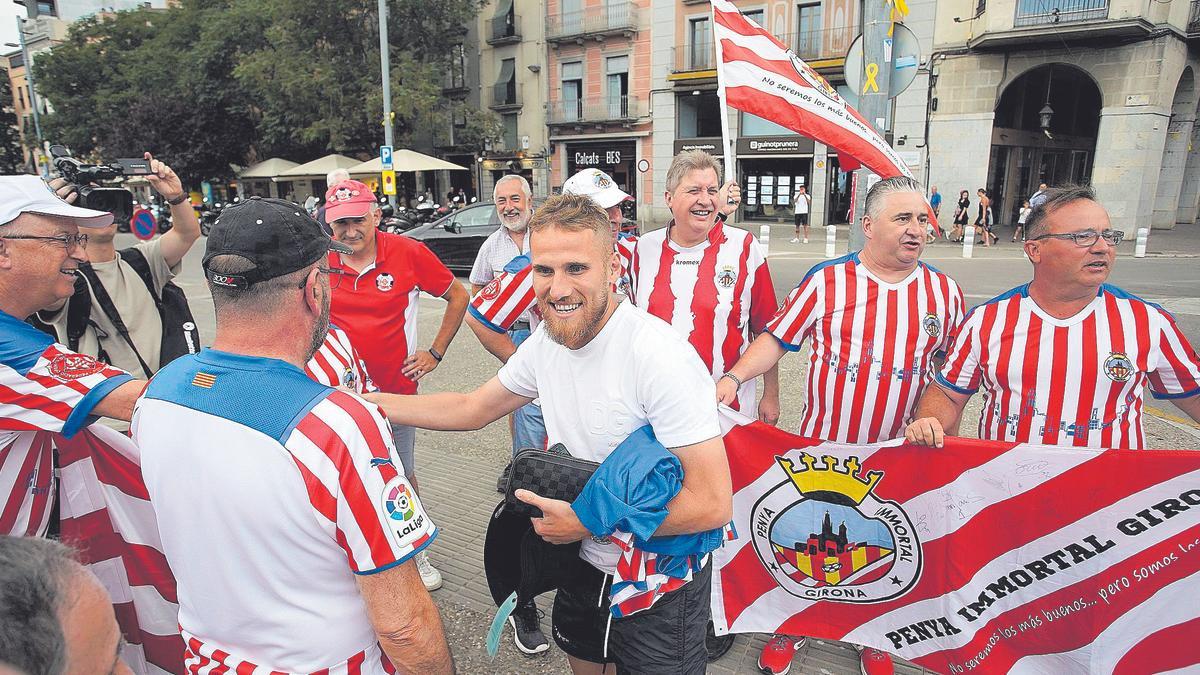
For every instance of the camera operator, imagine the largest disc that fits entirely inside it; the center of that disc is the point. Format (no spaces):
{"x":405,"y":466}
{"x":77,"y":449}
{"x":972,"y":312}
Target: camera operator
{"x":138,"y":348}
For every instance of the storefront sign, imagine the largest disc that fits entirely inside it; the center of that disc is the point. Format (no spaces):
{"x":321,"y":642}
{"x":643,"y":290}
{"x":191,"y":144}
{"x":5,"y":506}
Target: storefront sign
{"x":710,"y":145}
{"x":775,"y":145}
{"x":585,"y":159}
{"x":616,"y":158}
{"x":504,"y":164}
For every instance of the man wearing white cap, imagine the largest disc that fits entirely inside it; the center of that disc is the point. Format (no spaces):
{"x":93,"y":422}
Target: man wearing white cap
{"x":45,"y":387}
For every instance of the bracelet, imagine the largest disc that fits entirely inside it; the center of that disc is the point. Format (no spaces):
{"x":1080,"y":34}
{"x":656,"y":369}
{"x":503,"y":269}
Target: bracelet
{"x":733,"y":377}
{"x":183,"y":197}
{"x":434,"y":353}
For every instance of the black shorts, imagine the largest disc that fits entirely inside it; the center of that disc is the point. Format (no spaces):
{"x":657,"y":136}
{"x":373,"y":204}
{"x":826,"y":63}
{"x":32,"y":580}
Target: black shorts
{"x":667,"y":639}
{"x":801,"y":219}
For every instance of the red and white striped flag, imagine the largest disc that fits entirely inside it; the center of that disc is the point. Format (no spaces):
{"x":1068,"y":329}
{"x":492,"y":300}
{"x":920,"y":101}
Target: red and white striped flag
{"x":761,"y":76}
{"x":106,"y":516}
{"x":980,"y":556}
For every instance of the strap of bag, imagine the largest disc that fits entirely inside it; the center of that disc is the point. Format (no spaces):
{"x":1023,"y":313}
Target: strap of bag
{"x":137,"y":260}
{"x":110,"y":310}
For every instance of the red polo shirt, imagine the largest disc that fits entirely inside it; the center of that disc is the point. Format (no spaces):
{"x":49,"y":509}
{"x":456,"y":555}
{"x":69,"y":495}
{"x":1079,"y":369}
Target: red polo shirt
{"x":377,"y":307}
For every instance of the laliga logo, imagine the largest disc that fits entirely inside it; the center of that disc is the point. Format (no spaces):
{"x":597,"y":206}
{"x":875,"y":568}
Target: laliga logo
{"x":398,"y":502}
{"x":824,"y":535}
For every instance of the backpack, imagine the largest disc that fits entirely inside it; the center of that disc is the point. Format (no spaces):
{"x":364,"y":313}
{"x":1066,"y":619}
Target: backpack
{"x":179,"y":332}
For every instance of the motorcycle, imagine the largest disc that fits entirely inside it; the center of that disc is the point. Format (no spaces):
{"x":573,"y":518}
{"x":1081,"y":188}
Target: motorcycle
{"x":208,"y":216}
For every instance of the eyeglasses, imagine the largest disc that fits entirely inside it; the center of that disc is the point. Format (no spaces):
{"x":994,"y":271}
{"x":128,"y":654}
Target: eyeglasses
{"x":1087,"y":238}
{"x":64,"y":240}
{"x":335,"y":277}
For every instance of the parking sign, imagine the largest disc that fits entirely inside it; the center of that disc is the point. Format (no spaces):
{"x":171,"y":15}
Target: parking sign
{"x":385,"y":157}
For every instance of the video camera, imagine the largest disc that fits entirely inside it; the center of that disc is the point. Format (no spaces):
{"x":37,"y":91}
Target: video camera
{"x":117,"y":201}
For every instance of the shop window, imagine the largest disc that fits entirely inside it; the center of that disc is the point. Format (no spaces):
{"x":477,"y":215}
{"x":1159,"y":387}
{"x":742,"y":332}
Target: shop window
{"x":698,"y":114}
{"x":752,"y":125}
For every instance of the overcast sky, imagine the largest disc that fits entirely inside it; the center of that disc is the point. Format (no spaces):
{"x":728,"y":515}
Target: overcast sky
{"x":8,"y":24}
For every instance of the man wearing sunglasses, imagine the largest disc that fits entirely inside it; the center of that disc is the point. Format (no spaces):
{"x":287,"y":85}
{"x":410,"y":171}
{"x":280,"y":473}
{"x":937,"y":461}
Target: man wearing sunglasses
{"x":1064,"y":359}
{"x":44,"y":387}
{"x":376,"y":289}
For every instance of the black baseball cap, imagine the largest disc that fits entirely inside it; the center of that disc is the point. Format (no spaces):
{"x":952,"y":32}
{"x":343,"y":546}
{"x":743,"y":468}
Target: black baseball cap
{"x":276,"y":235}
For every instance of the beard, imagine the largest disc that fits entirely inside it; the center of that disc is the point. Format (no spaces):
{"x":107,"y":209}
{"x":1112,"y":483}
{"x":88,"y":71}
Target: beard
{"x":320,"y":330}
{"x":517,"y":224}
{"x":579,"y":331}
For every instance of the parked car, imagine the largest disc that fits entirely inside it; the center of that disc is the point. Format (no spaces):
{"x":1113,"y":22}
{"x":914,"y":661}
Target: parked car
{"x":457,"y":237}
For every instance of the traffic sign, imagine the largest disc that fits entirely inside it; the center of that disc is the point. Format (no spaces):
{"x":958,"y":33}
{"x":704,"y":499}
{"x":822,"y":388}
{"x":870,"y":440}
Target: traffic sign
{"x":385,"y":158}
{"x":389,"y":182}
{"x":902,"y":50}
{"x":143,"y":224}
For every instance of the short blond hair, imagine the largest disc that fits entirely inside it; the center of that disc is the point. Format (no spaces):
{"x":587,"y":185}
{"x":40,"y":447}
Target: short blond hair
{"x":574,"y":213}
{"x":687,"y":162}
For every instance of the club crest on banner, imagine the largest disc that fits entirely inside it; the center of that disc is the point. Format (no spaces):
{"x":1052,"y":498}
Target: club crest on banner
{"x":824,"y":534}
{"x":814,"y":78}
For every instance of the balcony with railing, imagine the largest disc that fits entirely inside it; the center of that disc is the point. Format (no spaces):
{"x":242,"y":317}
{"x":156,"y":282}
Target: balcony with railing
{"x":506,"y":96}
{"x":810,"y":45}
{"x":505,"y":29}
{"x":1042,"y":12}
{"x":614,"y":18}
{"x":606,"y":110}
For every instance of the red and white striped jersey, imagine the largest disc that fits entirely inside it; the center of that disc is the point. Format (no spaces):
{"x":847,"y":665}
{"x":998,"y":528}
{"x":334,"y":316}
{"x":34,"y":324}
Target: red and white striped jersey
{"x":337,"y":364}
{"x":1075,"y":381}
{"x":265,"y":570}
{"x":717,"y":294}
{"x":871,"y":345}
{"x":44,"y":388}
{"x":508,"y":296}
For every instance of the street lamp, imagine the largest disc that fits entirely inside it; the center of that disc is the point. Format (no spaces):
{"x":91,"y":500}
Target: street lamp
{"x":33,"y":102}
{"x":1044,"y":116}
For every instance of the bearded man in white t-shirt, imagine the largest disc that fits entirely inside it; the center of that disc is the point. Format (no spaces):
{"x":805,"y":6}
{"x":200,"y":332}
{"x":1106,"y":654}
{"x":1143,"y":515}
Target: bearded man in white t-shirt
{"x":603,"y":368}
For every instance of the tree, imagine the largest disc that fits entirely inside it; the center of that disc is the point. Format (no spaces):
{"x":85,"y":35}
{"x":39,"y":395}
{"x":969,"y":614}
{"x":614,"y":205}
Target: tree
{"x":12,"y":159}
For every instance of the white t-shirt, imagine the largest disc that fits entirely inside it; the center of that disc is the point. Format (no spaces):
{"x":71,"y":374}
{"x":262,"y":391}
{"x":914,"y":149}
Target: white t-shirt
{"x":636,"y":371}
{"x":801,"y":204}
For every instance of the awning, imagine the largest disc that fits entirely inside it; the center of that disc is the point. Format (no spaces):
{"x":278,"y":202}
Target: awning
{"x":406,"y":160}
{"x":318,"y":168}
{"x":268,"y":169}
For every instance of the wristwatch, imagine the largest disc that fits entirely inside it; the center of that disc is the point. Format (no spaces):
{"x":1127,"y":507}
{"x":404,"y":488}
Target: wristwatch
{"x":183,"y":197}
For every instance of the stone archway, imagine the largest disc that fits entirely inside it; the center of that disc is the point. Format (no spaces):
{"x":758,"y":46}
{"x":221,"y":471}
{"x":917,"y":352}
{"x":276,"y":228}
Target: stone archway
{"x":1175,"y":153}
{"x":1189,"y":194}
{"x":1024,"y":153}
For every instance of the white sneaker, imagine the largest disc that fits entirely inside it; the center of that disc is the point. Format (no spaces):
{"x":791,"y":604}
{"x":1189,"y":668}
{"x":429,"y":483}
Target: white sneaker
{"x":795,"y":241}
{"x":806,"y":240}
{"x":429,"y":574}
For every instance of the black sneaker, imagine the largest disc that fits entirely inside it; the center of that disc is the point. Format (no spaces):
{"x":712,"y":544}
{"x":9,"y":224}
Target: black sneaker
{"x":502,"y":483}
{"x":526,"y":621}
{"x":715,"y":645}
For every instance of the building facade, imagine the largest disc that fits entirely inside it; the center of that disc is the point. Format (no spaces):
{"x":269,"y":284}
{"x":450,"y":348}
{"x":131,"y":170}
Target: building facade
{"x":1084,"y":91}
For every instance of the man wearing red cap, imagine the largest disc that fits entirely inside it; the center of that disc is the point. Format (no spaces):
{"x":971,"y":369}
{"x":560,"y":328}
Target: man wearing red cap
{"x":376,"y":304}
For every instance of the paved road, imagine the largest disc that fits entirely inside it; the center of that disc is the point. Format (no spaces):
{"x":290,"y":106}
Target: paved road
{"x":458,"y":470}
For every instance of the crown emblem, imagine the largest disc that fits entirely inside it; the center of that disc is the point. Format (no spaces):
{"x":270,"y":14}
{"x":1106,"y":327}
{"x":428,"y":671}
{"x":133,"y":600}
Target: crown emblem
{"x":830,"y":475}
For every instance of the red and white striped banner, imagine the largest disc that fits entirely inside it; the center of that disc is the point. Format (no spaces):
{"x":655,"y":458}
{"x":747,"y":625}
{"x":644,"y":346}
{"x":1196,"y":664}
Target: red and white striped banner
{"x":106,"y":516}
{"x":761,"y":76}
{"x":979,"y":556}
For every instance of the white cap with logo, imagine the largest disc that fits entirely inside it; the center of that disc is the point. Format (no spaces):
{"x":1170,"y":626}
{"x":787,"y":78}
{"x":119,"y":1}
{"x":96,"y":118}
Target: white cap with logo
{"x":598,"y":185}
{"x":31,"y":194}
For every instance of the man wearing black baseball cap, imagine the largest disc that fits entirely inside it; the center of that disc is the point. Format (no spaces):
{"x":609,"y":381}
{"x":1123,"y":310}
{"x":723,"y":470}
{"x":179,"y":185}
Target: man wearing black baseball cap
{"x":264,"y":481}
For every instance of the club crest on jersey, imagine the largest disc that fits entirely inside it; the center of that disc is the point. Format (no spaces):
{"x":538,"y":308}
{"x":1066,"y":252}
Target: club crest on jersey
{"x":384,"y":282}
{"x":727,"y":277}
{"x":70,"y":367}
{"x":349,"y":378}
{"x":932,"y":325}
{"x":1118,"y":367}
{"x":824,"y":534}
{"x":492,"y":290}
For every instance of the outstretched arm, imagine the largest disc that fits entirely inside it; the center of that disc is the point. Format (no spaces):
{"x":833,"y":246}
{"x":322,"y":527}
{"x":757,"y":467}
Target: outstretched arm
{"x":450,"y":411}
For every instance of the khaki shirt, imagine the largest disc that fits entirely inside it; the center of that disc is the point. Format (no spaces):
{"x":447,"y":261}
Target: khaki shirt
{"x":136,"y":307}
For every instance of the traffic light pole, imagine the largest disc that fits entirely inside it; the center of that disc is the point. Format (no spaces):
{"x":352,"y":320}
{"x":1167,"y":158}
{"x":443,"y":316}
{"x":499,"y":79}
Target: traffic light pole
{"x":33,"y":100}
{"x":386,"y":68}
{"x":874,"y":98}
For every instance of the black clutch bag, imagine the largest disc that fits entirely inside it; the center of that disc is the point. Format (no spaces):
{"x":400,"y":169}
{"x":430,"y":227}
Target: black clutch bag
{"x":552,"y":474}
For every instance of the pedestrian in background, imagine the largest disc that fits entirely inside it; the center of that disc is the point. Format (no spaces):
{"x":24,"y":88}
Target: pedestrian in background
{"x":983,"y":221}
{"x":1021,"y":218}
{"x":961,"y":215}
{"x":802,"y":202}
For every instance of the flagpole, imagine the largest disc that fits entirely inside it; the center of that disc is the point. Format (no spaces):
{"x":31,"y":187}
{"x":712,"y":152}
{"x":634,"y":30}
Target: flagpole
{"x":727,"y":139}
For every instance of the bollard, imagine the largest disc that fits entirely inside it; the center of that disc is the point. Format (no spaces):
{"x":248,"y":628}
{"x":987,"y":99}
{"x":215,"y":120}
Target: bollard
{"x":1139,"y":249}
{"x":764,"y":239}
{"x":968,"y":241}
{"x":830,"y":241}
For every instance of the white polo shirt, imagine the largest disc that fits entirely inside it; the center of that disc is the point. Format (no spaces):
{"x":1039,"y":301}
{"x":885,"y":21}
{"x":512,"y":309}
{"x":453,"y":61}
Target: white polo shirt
{"x":271,"y":492}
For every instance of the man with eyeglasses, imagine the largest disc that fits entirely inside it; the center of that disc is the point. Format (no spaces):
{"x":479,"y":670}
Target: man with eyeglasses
{"x":284,"y":513}
{"x":44,"y":387}
{"x":376,"y":288}
{"x":1064,"y":359}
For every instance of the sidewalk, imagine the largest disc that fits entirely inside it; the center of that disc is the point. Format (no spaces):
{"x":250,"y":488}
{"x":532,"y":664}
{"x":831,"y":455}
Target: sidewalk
{"x":458,"y":491}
